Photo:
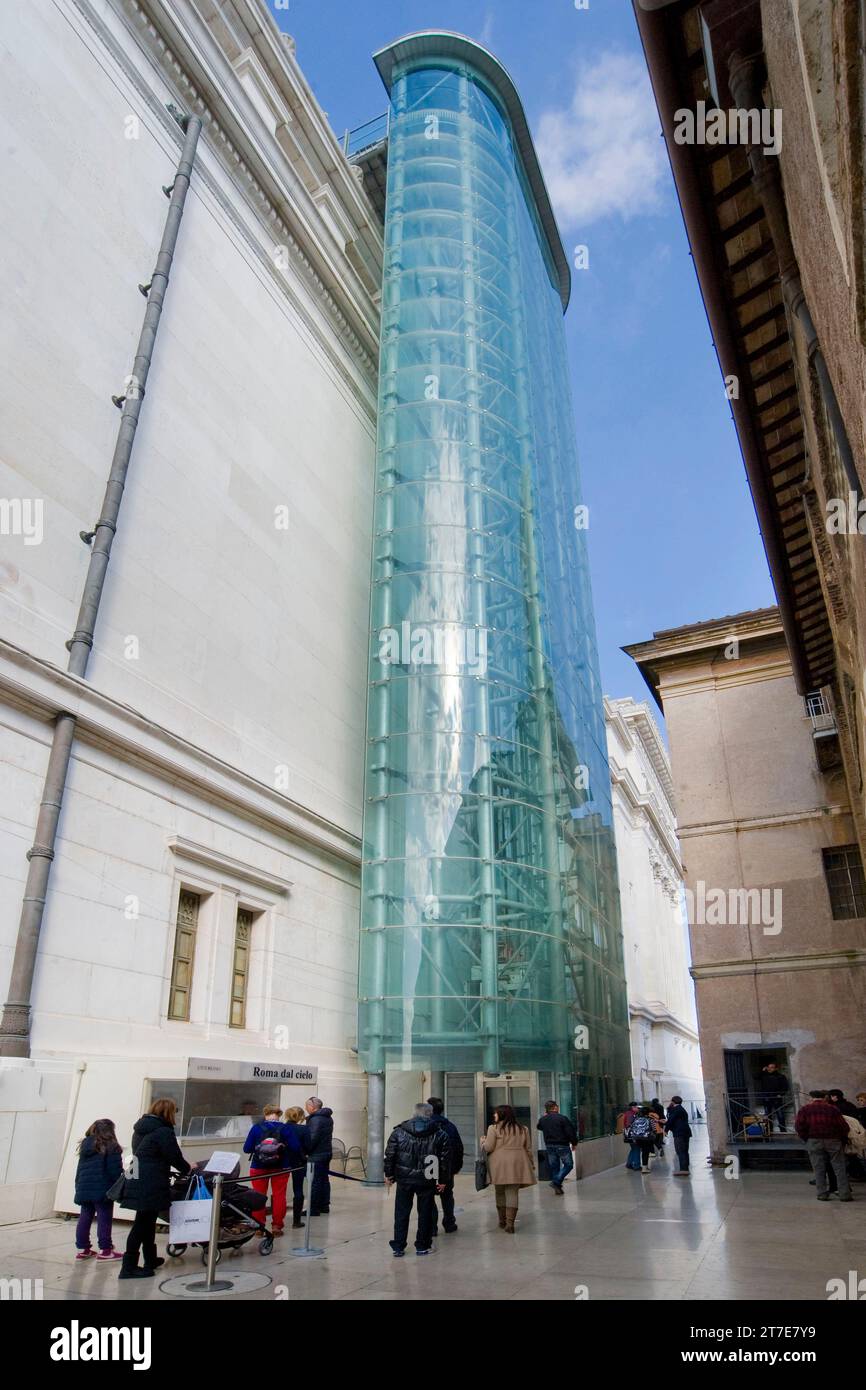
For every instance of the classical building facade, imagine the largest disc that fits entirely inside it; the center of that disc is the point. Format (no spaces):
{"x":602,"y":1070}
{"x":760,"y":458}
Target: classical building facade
{"x":203,"y":897}
{"x":661,"y":1004}
{"x":185,"y":646}
{"x":774,"y":878}
{"x":774,"y":214}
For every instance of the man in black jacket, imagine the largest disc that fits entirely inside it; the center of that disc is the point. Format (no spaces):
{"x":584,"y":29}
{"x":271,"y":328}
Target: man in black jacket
{"x":320,"y":1133}
{"x":418,"y":1160}
{"x":774,"y":1094}
{"x":446,"y":1196}
{"x":677,"y":1124}
{"x":560,"y":1137}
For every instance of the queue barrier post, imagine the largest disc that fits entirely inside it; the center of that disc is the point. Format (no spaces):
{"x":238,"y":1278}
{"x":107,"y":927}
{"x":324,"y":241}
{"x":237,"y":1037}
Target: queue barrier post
{"x":307,"y":1251}
{"x":210,"y":1284}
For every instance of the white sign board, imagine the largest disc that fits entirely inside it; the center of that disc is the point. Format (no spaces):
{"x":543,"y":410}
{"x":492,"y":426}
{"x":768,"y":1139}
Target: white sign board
{"x":283,"y":1073}
{"x":221,"y":1161}
{"x":189,"y":1221}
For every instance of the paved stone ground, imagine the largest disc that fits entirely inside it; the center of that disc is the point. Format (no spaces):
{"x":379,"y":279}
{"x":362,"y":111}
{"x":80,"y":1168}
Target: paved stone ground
{"x":622,"y":1235}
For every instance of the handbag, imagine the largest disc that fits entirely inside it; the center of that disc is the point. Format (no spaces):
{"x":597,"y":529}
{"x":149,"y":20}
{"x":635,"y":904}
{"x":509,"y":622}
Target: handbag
{"x":117,"y":1190}
{"x":482,"y":1175}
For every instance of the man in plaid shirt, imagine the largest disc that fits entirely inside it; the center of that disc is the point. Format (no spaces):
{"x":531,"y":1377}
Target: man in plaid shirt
{"x":825,"y":1132}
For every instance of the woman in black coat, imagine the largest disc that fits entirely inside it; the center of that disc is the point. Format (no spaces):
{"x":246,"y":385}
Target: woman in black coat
{"x":155,"y":1152}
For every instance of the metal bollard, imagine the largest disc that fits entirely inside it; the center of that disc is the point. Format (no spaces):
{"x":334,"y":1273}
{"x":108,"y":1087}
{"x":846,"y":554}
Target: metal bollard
{"x":213,"y":1243}
{"x":306,"y":1250}
{"x":210,"y":1284}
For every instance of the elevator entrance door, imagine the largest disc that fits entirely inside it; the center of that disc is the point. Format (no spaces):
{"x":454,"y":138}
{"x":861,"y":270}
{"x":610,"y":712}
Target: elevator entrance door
{"x":518,"y":1089}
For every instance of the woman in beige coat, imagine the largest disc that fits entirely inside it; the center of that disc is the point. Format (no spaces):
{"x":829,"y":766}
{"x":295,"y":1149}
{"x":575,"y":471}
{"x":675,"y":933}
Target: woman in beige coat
{"x":510,"y":1162}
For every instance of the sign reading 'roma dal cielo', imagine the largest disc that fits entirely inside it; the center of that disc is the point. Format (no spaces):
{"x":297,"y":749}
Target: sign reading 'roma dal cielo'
{"x":216,"y":1069}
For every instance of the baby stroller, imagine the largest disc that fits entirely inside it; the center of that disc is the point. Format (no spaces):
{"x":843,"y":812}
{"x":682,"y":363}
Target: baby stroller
{"x":237,"y":1225}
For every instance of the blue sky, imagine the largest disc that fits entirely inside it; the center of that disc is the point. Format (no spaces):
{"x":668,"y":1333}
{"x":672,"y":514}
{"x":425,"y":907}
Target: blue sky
{"x":673,"y":535}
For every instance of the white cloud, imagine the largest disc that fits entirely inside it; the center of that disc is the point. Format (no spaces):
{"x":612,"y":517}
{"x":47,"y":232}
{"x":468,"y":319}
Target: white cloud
{"x":603,"y":156}
{"x":486,"y":36}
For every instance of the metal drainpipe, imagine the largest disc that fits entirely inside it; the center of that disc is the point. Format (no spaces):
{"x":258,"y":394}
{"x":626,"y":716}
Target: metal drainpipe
{"x":15,"y":1024}
{"x":766,"y":177}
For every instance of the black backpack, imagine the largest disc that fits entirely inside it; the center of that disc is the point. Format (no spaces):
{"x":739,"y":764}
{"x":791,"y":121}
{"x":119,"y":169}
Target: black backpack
{"x":641,"y":1128}
{"x":270,"y":1151}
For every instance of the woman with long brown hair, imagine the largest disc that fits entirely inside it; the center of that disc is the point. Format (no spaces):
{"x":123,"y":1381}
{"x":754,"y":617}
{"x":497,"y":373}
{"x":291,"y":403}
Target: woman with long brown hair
{"x":510,"y":1162}
{"x":148,"y":1192}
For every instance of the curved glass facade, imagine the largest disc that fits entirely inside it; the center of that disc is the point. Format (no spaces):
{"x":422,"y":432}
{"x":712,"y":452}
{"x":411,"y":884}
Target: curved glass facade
{"x":490,"y":921}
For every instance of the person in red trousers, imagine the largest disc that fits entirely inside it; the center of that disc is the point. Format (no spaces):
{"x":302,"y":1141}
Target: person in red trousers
{"x":273,"y":1148}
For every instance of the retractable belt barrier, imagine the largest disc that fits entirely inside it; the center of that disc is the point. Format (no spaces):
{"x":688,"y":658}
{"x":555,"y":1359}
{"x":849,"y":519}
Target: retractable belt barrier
{"x":305,"y":1251}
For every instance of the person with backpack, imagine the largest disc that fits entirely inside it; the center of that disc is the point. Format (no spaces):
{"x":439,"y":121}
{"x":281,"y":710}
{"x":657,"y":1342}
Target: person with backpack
{"x":418,"y":1160}
{"x":642,"y":1135}
{"x":677,"y":1124}
{"x":560,"y":1138}
{"x":623,"y":1125}
{"x":272,"y":1147}
{"x":446,"y":1196}
{"x":100,"y":1164}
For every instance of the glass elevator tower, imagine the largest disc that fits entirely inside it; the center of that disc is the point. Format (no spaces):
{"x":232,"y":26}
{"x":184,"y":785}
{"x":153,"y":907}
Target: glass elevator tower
{"x":490,"y":933}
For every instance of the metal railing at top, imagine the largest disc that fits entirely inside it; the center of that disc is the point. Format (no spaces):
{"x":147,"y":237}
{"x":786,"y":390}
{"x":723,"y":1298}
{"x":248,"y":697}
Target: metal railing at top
{"x":820,"y":713}
{"x":364,"y":137}
{"x":823,"y":722}
{"x":753,"y":1116}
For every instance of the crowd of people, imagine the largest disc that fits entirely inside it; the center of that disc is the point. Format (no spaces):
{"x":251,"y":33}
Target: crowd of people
{"x":280,"y":1146}
{"x":424,"y":1153}
{"x":645,"y":1124}
{"x":423,"y":1156}
{"x":833,"y":1129}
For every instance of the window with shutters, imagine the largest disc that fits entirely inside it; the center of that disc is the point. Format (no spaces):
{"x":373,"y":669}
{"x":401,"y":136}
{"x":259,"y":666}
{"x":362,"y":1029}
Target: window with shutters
{"x":240,"y":968}
{"x":184,"y":955}
{"x":846,"y":885}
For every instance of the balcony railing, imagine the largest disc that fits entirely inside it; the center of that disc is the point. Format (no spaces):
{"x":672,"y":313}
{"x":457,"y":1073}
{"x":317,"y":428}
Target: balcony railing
{"x":366,"y":136}
{"x":756,"y":1118}
{"x":820,"y":714}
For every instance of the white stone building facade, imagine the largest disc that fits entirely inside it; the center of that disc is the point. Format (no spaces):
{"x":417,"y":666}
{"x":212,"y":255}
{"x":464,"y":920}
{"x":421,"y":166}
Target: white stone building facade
{"x":664,"y":1039}
{"x":217,"y":765}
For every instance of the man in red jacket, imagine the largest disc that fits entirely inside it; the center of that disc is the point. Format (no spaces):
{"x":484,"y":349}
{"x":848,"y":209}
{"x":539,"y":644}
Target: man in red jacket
{"x":825,"y":1132}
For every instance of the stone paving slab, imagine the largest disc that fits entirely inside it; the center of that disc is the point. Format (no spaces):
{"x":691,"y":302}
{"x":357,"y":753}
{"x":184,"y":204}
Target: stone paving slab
{"x":622,"y":1236}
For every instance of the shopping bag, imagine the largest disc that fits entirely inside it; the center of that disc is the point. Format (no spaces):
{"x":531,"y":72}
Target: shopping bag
{"x":189,"y":1221}
{"x":482,"y":1177}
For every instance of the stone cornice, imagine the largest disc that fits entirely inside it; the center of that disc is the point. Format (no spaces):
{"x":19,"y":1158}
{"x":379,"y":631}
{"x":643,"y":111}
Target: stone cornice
{"x":204,"y":81}
{"x":661,"y":1016}
{"x":627,"y":714}
{"x":672,"y":643}
{"x":726,"y":827}
{"x":769,"y":965}
{"x":622,"y":780}
{"x":191,"y":852}
{"x":43,"y":690}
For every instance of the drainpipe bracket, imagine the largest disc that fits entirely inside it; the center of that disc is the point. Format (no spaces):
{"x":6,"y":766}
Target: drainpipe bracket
{"x":39,"y":852}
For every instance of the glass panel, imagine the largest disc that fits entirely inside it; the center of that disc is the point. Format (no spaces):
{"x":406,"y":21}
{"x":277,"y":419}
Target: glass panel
{"x":490,"y":918}
{"x":493,"y":1096}
{"x":520,"y":1105}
